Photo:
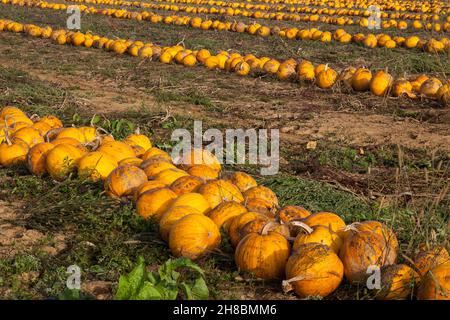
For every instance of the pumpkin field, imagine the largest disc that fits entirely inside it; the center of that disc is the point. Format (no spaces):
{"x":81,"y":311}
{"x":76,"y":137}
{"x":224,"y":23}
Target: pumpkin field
{"x":92,"y":92}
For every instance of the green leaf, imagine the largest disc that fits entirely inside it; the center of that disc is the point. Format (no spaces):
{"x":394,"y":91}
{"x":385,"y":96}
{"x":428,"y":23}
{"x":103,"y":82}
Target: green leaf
{"x":168,"y":290}
{"x":131,"y":284}
{"x":148,"y":292}
{"x":200,"y":289}
{"x":166,"y":271}
{"x":124,"y":290}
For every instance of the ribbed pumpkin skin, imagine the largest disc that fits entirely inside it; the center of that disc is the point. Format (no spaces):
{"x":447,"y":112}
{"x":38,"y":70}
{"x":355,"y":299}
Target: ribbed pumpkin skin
{"x":436,"y":284}
{"x":146,"y":186}
{"x":124,"y":180}
{"x":194,"y":200}
{"x":263,"y":255}
{"x":319,"y":265}
{"x":261,"y":192}
{"x":386,"y":233}
{"x":153,"y":203}
{"x":61,"y":160}
{"x":242,"y":180}
{"x":359,"y":251}
{"x":397,"y":282}
{"x":170,"y":175}
{"x":289,"y":213}
{"x":117,"y":150}
{"x":193,"y":236}
{"x":152,"y":169}
{"x":96,"y":166}
{"x":327,"y":219}
{"x":13,"y":154}
{"x":36,"y":158}
{"x":238,"y":222}
{"x":152,"y":152}
{"x":171,"y":216}
{"x":138,"y":140}
{"x":218,"y":191}
{"x":224,"y":213}
{"x":260,"y":205}
{"x":203,"y":171}
{"x":186,"y":184}
{"x":427,"y":259}
{"x":201,"y":156}
{"x":322,"y":235}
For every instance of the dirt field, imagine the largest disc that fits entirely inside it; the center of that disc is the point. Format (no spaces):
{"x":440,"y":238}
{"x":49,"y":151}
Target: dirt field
{"x":376,"y":158}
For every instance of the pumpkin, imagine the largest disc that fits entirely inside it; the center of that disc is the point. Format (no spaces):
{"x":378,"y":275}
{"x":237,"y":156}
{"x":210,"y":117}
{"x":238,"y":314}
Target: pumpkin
{"x":263,"y":193}
{"x":218,"y":191}
{"x":194,"y":200}
{"x":200,"y":156}
{"x":153,"y":203}
{"x":12,"y":153}
{"x":346,"y":76}
{"x":397,"y":282}
{"x":146,"y":186}
{"x":224,"y":213}
{"x":430,"y":87}
{"x":261,"y":206}
{"x":117,"y":150}
{"x":240,"y":221}
{"x":326,"y":78}
{"x":72,"y":132}
{"x":317,"y":234}
{"x":436,"y":284}
{"x":289,"y":213}
{"x":313,"y":270}
{"x":89,"y":134}
{"x":427,"y":259}
{"x":61,"y":160}
{"x":203,"y":171}
{"x":253,"y":226}
{"x":28,"y":135}
{"x":263,"y":254}
{"x":379,"y":228}
{"x":42,"y":127}
{"x":305,"y":71}
{"x":361,"y":79}
{"x":133,"y":161}
{"x":151,"y":168}
{"x":170,"y":175}
{"x":381,"y":83}
{"x":9,"y":111}
{"x":186,"y":184}
{"x":36,"y":158}
{"x":138,"y":140}
{"x":402,"y":87}
{"x":193,"y":236}
{"x":418,"y":81}
{"x":359,"y":251}
{"x":156,"y":152}
{"x":95,"y":166}
{"x":124,"y":180}
{"x":171,"y":216}
{"x":242,"y":180}
{"x":327,"y":219}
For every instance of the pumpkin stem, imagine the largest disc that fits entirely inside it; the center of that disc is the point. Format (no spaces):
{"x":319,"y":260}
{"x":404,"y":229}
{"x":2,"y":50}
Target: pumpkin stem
{"x":92,"y":120}
{"x":7,"y":138}
{"x":35,"y":116}
{"x":352,"y":227}
{"x":101,"y":131}
{"x":302,"y":225}
{"x":265,"y":230}
{"x":51,"y":132}
{"x":287,"y":286}
{"x":137,"y":131}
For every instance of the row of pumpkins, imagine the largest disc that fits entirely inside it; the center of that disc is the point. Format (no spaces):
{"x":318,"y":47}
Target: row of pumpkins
{"x":192,"y":201}
{"x":380,"y":83}
{"x":350,"y":7}
{"x":341,"y":36}
{"x":369,"y":40}
{"x":139,"y":16}
{"x":235,"y":8}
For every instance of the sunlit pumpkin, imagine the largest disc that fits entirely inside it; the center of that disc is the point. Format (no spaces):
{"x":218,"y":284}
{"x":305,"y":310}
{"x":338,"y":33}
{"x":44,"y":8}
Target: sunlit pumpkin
{"x":317,"y":234}
{"x":224,"y":213}
{"x":242,"y":180}
{"x":117,"y":150}
{"x":194,"y":200}
{"x":327,"y":219}
{"x":12,"y":153}
{"x":218,"y":191}
{"x":124,"y":180}
{"x":427,"y":258}
{"x":397,"y":282}
{"x":313,"y":270}
{"x":61,"y":160}
{"x":436,"y":284}
{"x":263,"y":254}
{"x":361,"y":79}
{"x":203,"y":171}
{"x":36,"y":158}
{"x":381,"y":83}
{"x":95,"y":166}
{"x":193,"y":236}
{"x":146,"y":186}
{"x":171,"y":216}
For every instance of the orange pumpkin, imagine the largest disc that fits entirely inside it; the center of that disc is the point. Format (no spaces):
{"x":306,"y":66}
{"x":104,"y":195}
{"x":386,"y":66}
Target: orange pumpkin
{"x":427,"y":259}
{"x":397,"y":282}
{"x":263,"y":254}
{"x":193,"y":236}
{"x":313,"y":270}
{"x":224,"y":213}
{"x":171,"y":216}
{"x":218,"y":191}
{"x":436,"y":284}
{"x":153,"y":203}
{"x":36,"y":158}
{"x":242,"y":180}
{"x":124,"y":180}
{"x":186,"y":184}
